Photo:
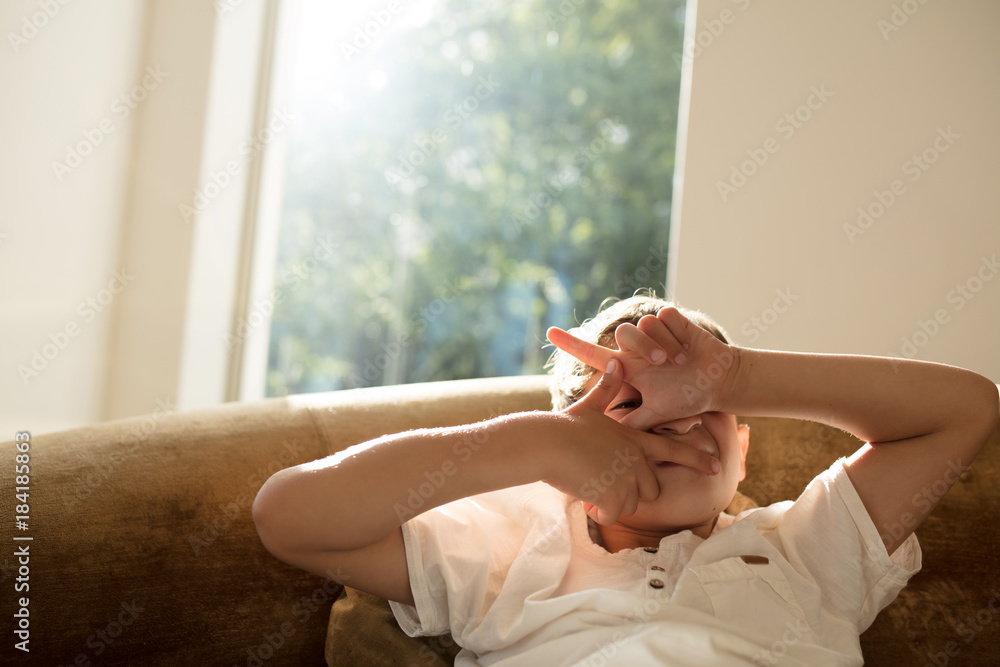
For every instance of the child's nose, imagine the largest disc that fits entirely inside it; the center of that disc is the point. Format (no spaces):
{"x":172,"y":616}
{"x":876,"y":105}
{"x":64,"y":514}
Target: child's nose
{"x":679,"y":426}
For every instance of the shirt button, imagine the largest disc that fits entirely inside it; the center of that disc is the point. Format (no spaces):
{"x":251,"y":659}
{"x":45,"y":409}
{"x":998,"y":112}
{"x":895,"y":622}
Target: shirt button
{"x":656,"y":583}
{"x":657,"y":568}
{"x":650,"y":550}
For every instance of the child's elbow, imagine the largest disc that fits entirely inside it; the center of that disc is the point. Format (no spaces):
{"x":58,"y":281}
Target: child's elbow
{"x":986,"y":407}
{"x":269,"y":517}
{"x":993,"y":401}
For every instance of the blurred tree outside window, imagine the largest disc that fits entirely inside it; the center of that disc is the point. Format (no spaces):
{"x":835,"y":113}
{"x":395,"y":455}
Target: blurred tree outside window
{"x":462,"y":174}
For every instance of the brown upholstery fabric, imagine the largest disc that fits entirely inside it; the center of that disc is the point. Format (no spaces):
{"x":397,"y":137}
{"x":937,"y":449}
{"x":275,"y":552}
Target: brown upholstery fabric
{"x":145,"y":553}
{"x":156,"y":511}
{"x":162,"y":520}
{"x":363,"y":631}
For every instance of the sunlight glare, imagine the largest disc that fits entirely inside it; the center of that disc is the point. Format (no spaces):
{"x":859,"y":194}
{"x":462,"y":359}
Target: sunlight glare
{"x":377,"y":79}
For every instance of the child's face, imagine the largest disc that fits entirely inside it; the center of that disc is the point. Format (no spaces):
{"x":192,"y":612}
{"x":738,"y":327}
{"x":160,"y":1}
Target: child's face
{"x":689,"y":499}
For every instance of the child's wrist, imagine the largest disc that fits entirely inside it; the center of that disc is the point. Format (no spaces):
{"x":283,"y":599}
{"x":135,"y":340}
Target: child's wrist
{"x":520,"y":452}
{"x":736,"y":364}
{"x":545,"y":462}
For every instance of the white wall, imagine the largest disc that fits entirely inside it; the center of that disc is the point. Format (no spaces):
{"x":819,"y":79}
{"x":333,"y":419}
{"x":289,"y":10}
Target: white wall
{"x":185,"y":215}
{"x":60,"y":234}
{"x":159,"y":95}
{"x":792,"y":225}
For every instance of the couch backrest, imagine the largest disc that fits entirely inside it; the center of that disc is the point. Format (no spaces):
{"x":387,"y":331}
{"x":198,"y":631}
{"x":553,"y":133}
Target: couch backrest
{"x":144,"y":548}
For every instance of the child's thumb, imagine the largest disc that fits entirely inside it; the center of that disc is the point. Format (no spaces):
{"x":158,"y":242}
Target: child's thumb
{"x":600,"y":397}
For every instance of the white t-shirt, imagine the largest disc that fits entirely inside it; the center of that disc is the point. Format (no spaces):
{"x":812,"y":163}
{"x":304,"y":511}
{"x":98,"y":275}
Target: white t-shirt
{"x":517,"y":579}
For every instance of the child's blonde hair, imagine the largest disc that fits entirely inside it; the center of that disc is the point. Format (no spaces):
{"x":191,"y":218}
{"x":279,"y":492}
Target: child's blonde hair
{"x":570,"y":377}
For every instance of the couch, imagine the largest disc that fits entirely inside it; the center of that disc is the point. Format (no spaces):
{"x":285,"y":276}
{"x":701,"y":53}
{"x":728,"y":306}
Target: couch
{"x":144,"y":551}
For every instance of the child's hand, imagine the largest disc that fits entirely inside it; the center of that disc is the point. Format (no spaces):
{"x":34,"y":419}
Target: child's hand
{"x":702,"y":370}
{"x":607,"y":464}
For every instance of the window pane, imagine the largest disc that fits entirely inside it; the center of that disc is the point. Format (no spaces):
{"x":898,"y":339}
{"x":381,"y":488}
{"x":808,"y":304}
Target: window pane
{"x":463,"y":175}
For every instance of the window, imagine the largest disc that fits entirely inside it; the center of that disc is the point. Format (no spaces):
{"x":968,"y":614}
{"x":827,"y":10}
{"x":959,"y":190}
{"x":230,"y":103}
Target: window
{"x":462,"y":175}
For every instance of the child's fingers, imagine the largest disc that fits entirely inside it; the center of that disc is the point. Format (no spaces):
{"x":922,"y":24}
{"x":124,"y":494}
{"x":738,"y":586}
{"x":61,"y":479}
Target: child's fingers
{"x":662,"y":337}
{"x":678,"y":325}
{"x":675,"y":452}
{"x":599,"y":515}
{"x":645,"y":482}
{"x":631,"y":338}
{"x":609,"y":513}
{"x":600,"y":397}
{"x":595,"y":513}
{"x":593,"y":355}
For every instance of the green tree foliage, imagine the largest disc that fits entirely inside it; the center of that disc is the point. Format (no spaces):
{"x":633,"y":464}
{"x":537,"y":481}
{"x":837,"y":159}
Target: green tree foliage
{"x":505,"y":166}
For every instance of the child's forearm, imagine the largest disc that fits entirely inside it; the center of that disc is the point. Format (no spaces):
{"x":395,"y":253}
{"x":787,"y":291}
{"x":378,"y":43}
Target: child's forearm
{"x":356,"y":497}
{"x":875,"y":398}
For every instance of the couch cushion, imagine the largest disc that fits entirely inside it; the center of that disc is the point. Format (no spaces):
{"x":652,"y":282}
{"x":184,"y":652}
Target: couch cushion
{"x":363,"y":631}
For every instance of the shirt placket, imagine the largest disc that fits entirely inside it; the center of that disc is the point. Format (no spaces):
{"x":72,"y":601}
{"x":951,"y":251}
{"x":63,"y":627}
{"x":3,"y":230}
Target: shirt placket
{"x":657,"y":579}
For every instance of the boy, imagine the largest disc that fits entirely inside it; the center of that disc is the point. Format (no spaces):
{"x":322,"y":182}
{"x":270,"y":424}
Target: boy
{"x":595,"y":534}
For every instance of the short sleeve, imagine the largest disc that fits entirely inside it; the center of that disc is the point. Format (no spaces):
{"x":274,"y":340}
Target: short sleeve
{"x":828,"y":536}
{"x":428,"y":615}
{"x":459,"y":556}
